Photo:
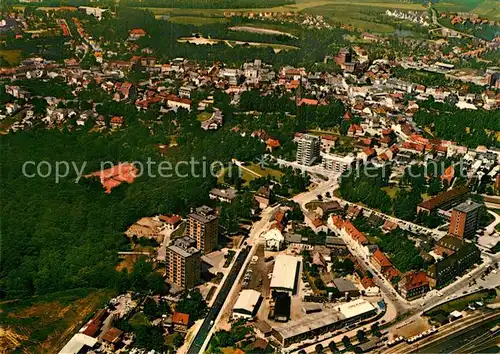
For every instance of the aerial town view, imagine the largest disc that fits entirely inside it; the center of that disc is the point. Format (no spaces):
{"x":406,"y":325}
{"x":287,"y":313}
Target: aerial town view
{"x":249,"y":176}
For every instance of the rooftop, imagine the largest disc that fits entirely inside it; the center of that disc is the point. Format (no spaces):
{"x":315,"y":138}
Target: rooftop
{"x":467,"y":206}
{"x":184,"y":246}
{"x":309,"y":323}
{"x":247,"y":300}
{"x":444,"y":197}
{"x":284,"y":271}
{"x":355,"y":308}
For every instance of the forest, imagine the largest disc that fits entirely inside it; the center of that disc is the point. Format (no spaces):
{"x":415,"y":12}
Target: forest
{"x":455,"y":124}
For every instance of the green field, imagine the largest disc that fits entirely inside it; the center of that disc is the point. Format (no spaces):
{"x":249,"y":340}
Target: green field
{"x":266,"y":171}
{"x":484,"y":8}
{"x":204,"y":116}
{"x":197,"y":20}
{"x":12,"y":56}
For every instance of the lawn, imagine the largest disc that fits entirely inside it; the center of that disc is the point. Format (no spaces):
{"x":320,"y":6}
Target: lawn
{"x":44,"y":324}
{"x":139,"y":319}
{"x":391,"y":191}
{"x":204,"y":116}
{"x":12,"y":56}
{"x":266,"y":171}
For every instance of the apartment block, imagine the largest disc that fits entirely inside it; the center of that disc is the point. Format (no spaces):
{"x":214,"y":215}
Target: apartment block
{"x":203,"y":226}
{"x":465,"y":219}
{"x":183,"y":263}
{"x":336,"y":163}
{"x":308,"y":149}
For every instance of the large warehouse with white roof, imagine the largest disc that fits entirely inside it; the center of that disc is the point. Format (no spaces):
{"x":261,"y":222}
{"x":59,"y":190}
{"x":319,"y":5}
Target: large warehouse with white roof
{"x":285,"y":274}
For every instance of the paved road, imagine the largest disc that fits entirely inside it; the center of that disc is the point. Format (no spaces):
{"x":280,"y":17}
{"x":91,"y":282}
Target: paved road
{"x":205,"y":328}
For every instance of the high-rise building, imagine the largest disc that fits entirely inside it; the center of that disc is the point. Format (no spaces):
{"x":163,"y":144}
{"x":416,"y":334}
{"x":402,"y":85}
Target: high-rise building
{"x":203,"y":226}
{"x":493,"y":76}
{"x":308,"y":150}
{"x":183,"y":263}
{"x":465,"y":219}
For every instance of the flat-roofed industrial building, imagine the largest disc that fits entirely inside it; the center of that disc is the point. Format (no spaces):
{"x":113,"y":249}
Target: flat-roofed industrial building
{"x":247,"y":304}
{"x":285,"y":274}
{"x":322,"y":322}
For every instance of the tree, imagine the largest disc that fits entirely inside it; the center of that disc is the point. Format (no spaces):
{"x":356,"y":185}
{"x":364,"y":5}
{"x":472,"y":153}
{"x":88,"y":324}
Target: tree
{"x":319,"y":348}
{"x":150,"y":337}
{"x":332,"y":346}
{"x":374,"y":328}
{"x":360,"y":334}
{"x":193,"y":304}
{"x":346,"y":341}
{"x":434,"y":187}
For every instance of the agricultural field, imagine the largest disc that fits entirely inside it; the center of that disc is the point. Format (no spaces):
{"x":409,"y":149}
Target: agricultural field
{"x":197,"y":20}
{"x":485,"y":8}
{"x":359,"y":14}
{"x":44,"y":324}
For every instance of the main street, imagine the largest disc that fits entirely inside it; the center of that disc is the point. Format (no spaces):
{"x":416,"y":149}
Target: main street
{"x":211,"y":321}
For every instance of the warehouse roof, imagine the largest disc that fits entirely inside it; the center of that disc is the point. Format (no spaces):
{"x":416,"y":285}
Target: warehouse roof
{"x":309,"y":323}
{"x":284,"y":272}
{"x":247,"y":301}
{"x":355,"y":308}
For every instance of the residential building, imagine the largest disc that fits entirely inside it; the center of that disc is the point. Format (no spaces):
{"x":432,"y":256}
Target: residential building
{"x":263,"y":196}
{"x":185,"y":91}
{"x":444,"y":271}
{"x":308,"y":150}
{"x":448,"y":245}
{"x":413,"y":285}
{"x":274,"y":239}
{"x":183,"y":263}
{"x":203,"y":226}
{"x":380,"y":261}
{"x":336,"y":163}
{"x":223,"y":195}
{"x":180,"y":321}
{"x":465,"y":219}
{"x":444,"y":200}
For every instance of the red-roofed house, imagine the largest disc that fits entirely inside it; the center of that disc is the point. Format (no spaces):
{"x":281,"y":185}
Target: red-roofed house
{"x":308,"y":102}
{"x":355,"y":130}
{"x":355,"y":234}
{"x":116,"y":122}
{"x":413,"y":285}
{"x":137,"y":33}
{"x":336,"y":221}
{"x":380,"y":261}
{"x":180,"y":321}
{"x":171,"y":221}
{"x":272,"y":144}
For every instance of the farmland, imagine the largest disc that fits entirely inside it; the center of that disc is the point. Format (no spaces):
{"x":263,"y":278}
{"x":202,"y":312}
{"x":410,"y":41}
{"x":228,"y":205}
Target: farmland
{"x":485,"y":8}
{"x":196,"y":20}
